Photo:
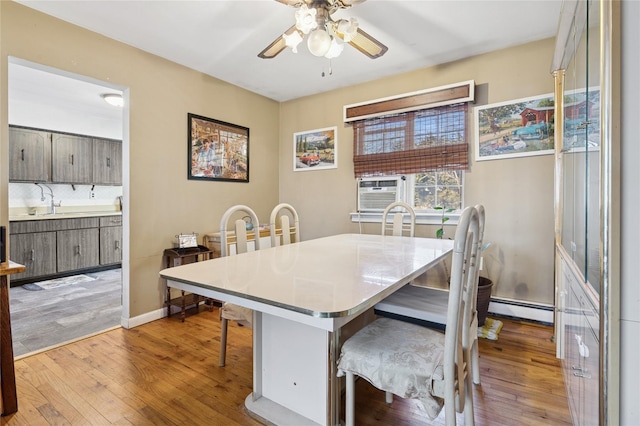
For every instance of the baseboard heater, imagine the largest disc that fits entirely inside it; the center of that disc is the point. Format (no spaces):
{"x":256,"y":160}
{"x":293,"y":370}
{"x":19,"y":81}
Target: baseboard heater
{"x":524,"y":310}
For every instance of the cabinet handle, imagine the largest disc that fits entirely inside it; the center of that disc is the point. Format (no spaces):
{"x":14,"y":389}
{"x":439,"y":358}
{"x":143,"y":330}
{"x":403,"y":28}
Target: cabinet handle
{"x":71,"y":159}
{"x":33,"y":255}
{"x":79,"y":250}
{"x":22,"y":154}
{"x":117,"y":245}
{"x":578,"y":368}
{"x":582,"y":375}
{"x":108,"y":162}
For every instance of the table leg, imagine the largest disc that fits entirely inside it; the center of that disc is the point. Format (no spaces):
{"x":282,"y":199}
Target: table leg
{"x":183,"y":310}
{"x":7,"y":369}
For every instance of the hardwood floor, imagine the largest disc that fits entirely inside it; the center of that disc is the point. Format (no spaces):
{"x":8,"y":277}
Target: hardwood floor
{"x":165,"y":373}
{"x":46,"y":318}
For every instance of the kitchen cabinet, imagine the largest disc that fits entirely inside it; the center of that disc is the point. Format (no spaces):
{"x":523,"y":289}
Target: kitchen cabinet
{"x":55,"y":247}
{"x":72,"y":159}
{"x":43,"y":156}
{"x":107,"y":162}
{"x":110,"y":240}
{"x":78,"y":249}
{"x":36,"y":251}
{"x":29,"y":155}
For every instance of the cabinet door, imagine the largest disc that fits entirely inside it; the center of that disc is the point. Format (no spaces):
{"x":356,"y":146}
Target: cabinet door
{"x":78,"y":249}
{"x":29,"y":155}
{"x":107,"y":162}
{"x":36,"y":251}
{"x":71,"y":159}
{"x":110,"y":245}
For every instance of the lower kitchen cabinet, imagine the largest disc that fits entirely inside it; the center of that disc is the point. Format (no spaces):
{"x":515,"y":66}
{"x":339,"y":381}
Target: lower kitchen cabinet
{"x":78,"y":249}
{"x":36,"y":251}
{"x":57,"y":247}
{"x":110,"y":245}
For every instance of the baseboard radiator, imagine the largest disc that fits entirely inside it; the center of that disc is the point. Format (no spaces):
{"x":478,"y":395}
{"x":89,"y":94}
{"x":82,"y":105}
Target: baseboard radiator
{"x":537,"y":312}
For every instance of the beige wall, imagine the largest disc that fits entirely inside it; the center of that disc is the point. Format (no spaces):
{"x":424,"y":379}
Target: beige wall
{"x":162,"y":202}
{"x":517,"y":193}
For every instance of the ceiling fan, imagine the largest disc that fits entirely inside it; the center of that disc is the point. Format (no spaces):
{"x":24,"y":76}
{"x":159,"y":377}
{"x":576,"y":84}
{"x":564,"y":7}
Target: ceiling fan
{"x":313,"y":19}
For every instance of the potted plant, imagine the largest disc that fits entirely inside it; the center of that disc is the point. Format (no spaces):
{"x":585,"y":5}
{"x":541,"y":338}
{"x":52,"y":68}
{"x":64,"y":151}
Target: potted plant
{"x":484,"y":284}
{"x":443,"y":219}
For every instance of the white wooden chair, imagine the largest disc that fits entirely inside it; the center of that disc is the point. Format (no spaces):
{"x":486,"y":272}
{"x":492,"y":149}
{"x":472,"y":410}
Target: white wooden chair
{"x":242,"y":238}
{"x":397,"y":226}
{"x":290,"y":234}
{"x":412,"y":361}
{"x":428,"y":306}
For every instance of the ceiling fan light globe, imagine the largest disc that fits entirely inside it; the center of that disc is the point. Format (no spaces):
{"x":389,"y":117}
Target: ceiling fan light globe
{"x":335,"y":49}
{"x":306,"y":19}
{"x":347,"y":29}
{"x":293,"y":40}
{"x":319,"y":42}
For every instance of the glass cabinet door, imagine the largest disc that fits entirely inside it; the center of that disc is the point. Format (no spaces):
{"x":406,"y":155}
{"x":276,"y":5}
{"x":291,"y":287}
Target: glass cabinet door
{"x":581,"y":149}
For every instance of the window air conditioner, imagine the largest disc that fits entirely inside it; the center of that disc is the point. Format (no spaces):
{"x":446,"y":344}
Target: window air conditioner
{"x":375,"y":194}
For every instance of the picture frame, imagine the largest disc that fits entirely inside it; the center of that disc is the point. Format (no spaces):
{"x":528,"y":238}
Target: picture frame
{"x":218,"y":151}
{"x":315,"y":149}
{"x":517,"y":128}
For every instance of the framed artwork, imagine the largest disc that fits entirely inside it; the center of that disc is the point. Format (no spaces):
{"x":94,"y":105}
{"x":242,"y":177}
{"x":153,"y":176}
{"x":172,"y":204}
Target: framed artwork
{"x":518,"y":128}
{"x":315,"y":149}
{"x":217,"y":150}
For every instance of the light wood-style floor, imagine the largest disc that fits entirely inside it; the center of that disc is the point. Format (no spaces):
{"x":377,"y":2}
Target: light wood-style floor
{"x":165,"y":373}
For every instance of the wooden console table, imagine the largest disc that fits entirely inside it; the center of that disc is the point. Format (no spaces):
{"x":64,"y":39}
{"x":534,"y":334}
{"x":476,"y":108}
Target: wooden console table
{"x":9,"y":396}
{"x":179,"y":256}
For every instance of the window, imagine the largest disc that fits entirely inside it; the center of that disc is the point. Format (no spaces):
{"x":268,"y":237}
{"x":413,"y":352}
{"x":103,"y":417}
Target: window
{"x":436,"y":189}
{"x":421,"y":141}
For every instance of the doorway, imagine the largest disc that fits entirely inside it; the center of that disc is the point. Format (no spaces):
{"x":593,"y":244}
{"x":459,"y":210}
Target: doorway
{"x":44,"y":98}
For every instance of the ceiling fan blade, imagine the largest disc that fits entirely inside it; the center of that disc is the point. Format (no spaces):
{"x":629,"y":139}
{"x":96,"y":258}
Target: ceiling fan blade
{"x":277,"y":46}
{"x":368,"y":45}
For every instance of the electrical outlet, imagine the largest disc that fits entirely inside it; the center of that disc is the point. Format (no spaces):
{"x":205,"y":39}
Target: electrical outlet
{"x":92,"y":194}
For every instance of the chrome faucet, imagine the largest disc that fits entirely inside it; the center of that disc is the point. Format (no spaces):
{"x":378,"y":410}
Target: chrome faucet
{"x":52,"y":207}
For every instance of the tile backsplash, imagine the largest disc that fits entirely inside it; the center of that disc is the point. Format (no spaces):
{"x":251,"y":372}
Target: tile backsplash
{"x":28,"y":196}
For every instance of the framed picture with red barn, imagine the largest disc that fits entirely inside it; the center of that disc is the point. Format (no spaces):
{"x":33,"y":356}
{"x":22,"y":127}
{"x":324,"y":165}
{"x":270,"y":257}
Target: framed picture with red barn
{"x":517,"y":128}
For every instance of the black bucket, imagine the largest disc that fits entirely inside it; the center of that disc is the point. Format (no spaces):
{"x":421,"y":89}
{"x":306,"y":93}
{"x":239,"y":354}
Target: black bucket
{"x":484,"y":298}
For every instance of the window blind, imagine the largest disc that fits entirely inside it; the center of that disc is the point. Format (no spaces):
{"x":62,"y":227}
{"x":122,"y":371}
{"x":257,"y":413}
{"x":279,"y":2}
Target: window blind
{"x":433,"y":139}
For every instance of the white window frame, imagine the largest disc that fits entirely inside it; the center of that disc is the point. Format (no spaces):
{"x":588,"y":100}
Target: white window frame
{"x":423,"y":217}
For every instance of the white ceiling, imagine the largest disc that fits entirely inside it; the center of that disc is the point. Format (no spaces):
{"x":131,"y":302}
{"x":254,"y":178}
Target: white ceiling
{"x":223,"y":37}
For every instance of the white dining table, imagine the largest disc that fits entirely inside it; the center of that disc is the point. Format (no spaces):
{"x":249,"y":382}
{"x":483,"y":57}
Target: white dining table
{"x":302,"y":295}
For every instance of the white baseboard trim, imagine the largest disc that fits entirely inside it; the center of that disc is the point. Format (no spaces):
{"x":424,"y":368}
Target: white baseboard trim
{"x":511,"y":308}
{"x":144,"y":318}
{"x":526,"y":310}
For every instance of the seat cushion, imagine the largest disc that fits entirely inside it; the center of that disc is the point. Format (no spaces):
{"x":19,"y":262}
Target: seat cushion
{"x":420,"y":303}
{"x":237,"y":313}
{"x":396,"y":357}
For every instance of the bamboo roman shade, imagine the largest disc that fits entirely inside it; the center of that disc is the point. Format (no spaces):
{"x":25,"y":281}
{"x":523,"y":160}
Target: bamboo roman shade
{"x":433,"y":139}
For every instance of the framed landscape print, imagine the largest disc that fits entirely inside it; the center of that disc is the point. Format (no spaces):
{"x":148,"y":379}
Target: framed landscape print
{"x":217,"y":150}
{"x":315,"y":149}
{"x":518,"y":128}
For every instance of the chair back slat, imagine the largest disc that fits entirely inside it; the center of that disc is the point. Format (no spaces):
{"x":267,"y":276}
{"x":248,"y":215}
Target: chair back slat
{"x":289,"y":234}
{"x":397,"y":226}
{"x":226,"y":238}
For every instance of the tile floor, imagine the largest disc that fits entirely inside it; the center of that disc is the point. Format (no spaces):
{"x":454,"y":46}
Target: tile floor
{"x":45,"y":318}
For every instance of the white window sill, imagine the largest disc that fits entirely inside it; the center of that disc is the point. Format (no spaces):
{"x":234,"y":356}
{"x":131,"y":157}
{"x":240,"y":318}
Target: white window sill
{"x":422,"y":218}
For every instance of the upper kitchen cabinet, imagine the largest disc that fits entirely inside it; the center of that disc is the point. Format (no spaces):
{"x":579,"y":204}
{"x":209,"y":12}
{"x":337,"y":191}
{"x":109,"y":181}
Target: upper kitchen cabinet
{"x":107,"y":162}
{"x":72,"y":159}
{"x":29,"y":155}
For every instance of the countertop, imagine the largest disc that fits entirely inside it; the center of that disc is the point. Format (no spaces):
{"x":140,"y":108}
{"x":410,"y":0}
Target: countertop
{"x":61,"y":215}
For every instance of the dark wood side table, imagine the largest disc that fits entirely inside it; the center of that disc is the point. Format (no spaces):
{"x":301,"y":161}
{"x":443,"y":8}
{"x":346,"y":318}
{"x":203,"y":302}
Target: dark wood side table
{"x":8,"y":391}
{"x":179,"y":256}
